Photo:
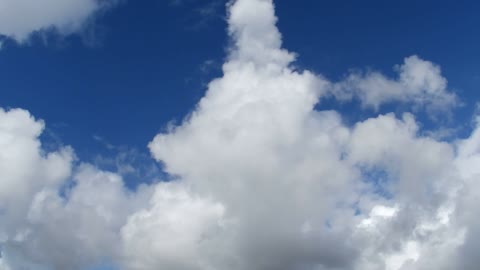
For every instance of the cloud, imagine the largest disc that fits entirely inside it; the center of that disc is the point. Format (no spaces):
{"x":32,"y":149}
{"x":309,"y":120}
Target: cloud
{"x":172,"y":231}
{"x":262,"y":180}
{"x":200,"y":13}
{"x":419,"y":83}
{"x":20,"y":18}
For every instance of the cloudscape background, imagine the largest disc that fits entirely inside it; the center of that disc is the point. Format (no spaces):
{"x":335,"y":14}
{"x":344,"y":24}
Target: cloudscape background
{"x":248,"y":134}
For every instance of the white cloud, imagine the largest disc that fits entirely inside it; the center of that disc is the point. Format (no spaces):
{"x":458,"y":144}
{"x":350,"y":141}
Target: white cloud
{"x":21,"y":150}
{"x":173,"y":232}
{"x":20,"y":18}
{"x":264,"y":180}
{"x":419,"y":83}
{"x":3,"y":265}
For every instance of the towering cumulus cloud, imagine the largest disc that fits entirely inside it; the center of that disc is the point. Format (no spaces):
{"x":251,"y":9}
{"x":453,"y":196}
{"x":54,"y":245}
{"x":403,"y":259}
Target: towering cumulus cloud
{"x":20,"y":18}
{"x":264,"y":181}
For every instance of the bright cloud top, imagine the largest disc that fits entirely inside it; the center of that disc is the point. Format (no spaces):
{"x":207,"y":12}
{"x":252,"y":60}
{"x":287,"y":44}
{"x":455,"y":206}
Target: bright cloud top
{"x":265,"y":181}
{"x":20,"y":18}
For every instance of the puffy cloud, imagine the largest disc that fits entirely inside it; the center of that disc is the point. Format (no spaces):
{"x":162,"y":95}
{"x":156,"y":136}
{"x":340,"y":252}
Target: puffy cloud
{"x":90,"y":218}
{"x":263,"y":179}
{"x":174,"y":232}
{"x":298,"y":181}
{"x":21,"y":150}
{"x":25,"y":170}
{"x":53,"y":216}
{"x":419,"y":83}
{"x":257,"y":39}
{"x":20,"y":18}
{"x":392,"y":145}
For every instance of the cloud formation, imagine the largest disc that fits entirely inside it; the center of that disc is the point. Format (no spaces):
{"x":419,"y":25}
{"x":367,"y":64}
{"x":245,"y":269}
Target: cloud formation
{"x":419,"y":83}
{"x":264,"y":181}
{"x":20,"y":18}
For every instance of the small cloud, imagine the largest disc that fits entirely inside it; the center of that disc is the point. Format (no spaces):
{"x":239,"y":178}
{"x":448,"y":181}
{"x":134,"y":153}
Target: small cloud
{"x":104,"y":142}
{"x":210,"y":9}
{"x":204,"y":12}
{"x":208,"y":66}
{"x":419,"y":84}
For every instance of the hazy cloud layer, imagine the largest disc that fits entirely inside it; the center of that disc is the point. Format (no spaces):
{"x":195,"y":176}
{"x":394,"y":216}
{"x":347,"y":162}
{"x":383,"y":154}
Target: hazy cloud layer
{"x":265,"y":181}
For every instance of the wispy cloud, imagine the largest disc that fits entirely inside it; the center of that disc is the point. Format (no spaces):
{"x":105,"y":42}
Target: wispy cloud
{"x":202,"y":13}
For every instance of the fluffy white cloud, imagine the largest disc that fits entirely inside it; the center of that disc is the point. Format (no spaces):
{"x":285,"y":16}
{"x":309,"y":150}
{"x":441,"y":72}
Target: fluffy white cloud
{"x":20,"y":18}
{"x":265,"y":181}
{"x":419,"y":83}
{"x":174,"y":232}
{"x":24,"y":168}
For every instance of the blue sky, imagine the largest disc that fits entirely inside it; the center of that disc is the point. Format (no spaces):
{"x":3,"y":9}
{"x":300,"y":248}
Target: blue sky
{"x":206,"y":135}
{"x":145,"y":63}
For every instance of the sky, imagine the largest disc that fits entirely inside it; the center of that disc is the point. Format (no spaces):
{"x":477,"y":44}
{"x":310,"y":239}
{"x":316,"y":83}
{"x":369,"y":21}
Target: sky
{"x":243,"y":134}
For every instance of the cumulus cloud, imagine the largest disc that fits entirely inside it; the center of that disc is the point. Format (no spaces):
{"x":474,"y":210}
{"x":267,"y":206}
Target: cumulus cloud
{"x":173,"y":232}
{"x":263,"y":180}
{"x":419,"y":83}
{"x":20,"y":18}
